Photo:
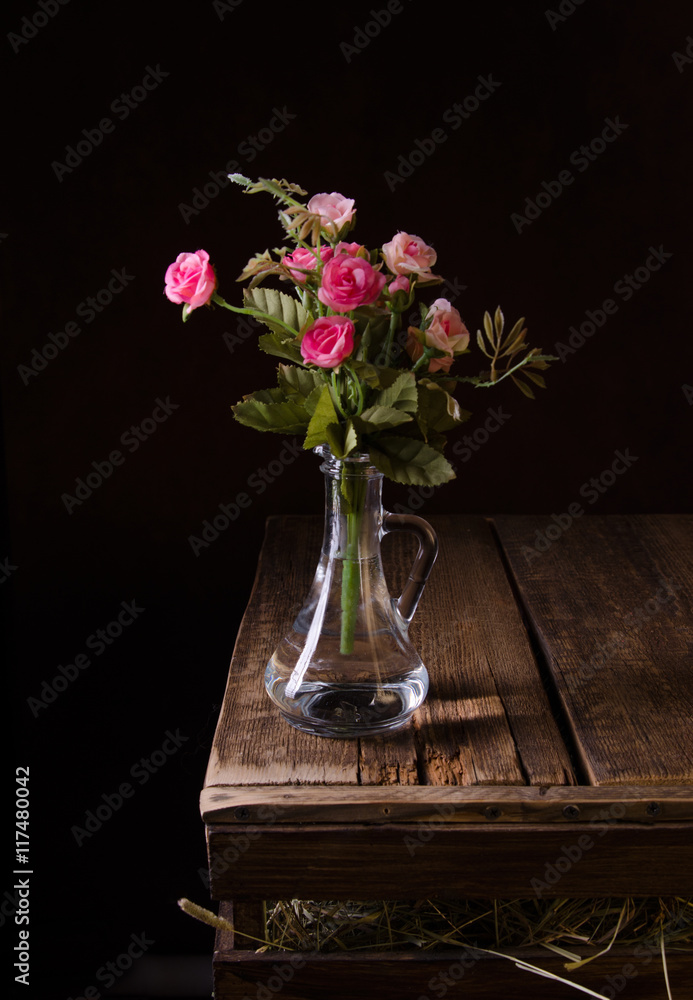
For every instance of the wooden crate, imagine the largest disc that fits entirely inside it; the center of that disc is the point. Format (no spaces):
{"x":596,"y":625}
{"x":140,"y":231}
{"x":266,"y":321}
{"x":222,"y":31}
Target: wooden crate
{"x":553,"y":756}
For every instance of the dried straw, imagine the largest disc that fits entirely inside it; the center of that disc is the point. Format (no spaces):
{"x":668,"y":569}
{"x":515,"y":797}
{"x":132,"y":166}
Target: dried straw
{"x":564,"y":926}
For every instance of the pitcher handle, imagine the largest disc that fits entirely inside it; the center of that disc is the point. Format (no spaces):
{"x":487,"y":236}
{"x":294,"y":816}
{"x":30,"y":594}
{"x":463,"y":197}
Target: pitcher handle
{"x":423,"y":564}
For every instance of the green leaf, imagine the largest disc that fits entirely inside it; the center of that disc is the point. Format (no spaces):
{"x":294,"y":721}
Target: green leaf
{"x":488,"y":327}
{"x":341,"y":438}
{"x":408,"y":461}
{"x":323,"y":415}
{"x":380,"y":418}
{"x":438,"y":411}
{"x":523,"y":387}
{"x":298,"y":381}
{"x":499,"y":320}
{"x":516,"y":330}
{"x":240,"y":179}
{"x":388,"y":376}
{"x":401,"y":395}
{"x":371,"y":325}
{"x":275,"y":395}
{"x":537,"y":379}
{"x":281,"y":308}
{"x":312,"y":401}
{"x":276,"y":345}
{"x":284,"y":418}
{"x":367,"y":373}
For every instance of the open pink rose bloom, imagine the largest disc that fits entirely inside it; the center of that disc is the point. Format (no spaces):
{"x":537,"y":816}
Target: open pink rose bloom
{"x":328,"y":341}
{"x":190,"y":280}
{"x":336,"y":210}
{"x":350,"y":282}
{"x":407,"y":254}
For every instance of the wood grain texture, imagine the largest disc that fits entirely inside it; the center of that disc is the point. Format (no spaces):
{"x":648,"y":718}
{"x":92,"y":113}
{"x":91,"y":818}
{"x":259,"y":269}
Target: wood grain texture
{"x":458,"y":972}
{"x":253,"y":744}
{"x":268,"y":805}
{"x":487,"y":719}
{"x":423,"y":861}
{"x":611,"y":601}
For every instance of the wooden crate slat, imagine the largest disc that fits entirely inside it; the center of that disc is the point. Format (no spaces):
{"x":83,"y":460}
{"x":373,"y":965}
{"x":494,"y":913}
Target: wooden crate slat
{"x":458,"y":972}
{"x":611,"y":602}
{"x":488,"y":719}
{"x":264,"y":804}
{"x":402,"y":973}
{"x":420,"y":861}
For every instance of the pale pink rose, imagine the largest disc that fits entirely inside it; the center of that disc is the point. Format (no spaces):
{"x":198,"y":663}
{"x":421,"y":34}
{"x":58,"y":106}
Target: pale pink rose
{"x":446,"y":331}
{"x":336,"y":210}
{"x":305,"y":260}
{"x":349,"y":282}
{"x":351,"y":249}
{"x":400,"y":284}
{"x":328,"y":341}
{"x":190,"y":280}
{"x":407,"y":254}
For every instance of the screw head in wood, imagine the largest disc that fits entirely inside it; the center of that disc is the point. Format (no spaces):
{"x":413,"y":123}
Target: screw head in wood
{"x":653,"y":809}
{"x":571,"y":812}
{"x":492,"y":812}
{"x":241,"y":812}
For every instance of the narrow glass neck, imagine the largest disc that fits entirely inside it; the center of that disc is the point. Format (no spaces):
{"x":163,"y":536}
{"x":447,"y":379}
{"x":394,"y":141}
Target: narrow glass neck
{"x":353,"y":507}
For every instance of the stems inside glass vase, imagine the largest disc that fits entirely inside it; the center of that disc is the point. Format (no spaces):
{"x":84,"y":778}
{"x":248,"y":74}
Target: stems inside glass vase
{"x":353,"y":490}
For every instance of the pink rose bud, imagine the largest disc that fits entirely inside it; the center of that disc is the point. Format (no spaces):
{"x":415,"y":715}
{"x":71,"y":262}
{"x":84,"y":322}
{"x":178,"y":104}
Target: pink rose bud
{"x":335,"y":210}
{"x":407,"y":254}
{"x":351,"y":249}
{"x":190,"y":280}
{"x":328,"y":341}
{"x":305,"y":260}
{"x":400,"y":284}
{"x":446,"y":331}
{"x":349,"y":282}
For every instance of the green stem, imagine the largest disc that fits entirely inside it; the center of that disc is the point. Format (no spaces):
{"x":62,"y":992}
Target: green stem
{"x":394,"y":325}
{"x":217,"y":300}
{"x":358,"y":387}
{"x":423,"y":360}
{"x":337,"y":395}
{"x":354,"y":490}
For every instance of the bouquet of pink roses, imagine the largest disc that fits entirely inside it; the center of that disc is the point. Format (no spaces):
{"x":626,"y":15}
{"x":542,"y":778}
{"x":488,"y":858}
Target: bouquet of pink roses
{"x":351,"y":377}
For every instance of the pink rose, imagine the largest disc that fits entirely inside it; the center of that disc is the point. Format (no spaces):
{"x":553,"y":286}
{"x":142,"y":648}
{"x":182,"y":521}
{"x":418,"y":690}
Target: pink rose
{"x":305,"y":260}
{"x":407,"y":254}
{"x":351,"y":249}
{"x":191,"y":280}
{"x":335,"y":210}
{"x":328,"y":341}
{"x":400,"y":284}
{"x":446,"y":331}
{"x":349,"y":282}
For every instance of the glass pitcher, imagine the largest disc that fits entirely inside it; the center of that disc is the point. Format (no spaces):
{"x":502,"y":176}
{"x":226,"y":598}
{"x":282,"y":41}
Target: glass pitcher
{"x":348,"y":667}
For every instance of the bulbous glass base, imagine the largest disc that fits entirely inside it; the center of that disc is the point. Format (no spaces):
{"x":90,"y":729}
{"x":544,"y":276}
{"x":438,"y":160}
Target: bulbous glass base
{"x":328,"y":707}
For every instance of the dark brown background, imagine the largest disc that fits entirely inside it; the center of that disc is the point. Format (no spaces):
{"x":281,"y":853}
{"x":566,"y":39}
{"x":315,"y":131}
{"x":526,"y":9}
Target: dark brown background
{"x":624,"y":389}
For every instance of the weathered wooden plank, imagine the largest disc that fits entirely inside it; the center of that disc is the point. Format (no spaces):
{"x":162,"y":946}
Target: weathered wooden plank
{"x":423,"y":861}
{"x":266,"y":804}
{"x":252,"y":743}
{"x":249,"y":922}
{"x":611,"y":600}
{"x":487,"y":719}
{"x":455,"y":972}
